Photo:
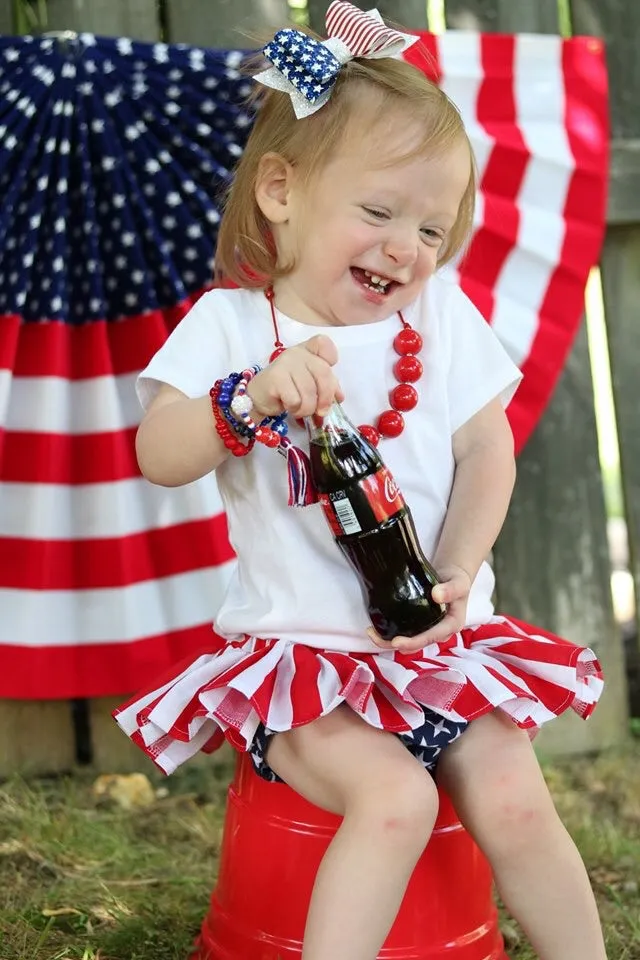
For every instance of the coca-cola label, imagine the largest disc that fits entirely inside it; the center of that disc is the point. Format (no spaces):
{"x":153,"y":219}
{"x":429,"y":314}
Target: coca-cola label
{"x":363,"y":505}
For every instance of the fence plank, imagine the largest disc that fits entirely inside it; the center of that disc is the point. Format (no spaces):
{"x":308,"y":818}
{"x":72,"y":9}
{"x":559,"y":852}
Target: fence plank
{"x":619,"y":23}
{"x":505,"y":16}
{"x":112,"y":18}
{"x":233,"y":24}
{"x":551,"y":560}
{"x":6,"y":19}
{"x":411,"y":14}
{"x":36,"y":737}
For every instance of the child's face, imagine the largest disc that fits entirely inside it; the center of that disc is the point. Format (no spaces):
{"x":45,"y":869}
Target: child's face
{"x":361,"y":219}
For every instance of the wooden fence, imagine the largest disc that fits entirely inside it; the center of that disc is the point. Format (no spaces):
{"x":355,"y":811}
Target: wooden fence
{"x":552,"y":560}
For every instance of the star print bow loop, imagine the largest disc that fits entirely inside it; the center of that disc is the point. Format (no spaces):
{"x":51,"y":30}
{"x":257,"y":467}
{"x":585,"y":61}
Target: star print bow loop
{"x":307,"y":70}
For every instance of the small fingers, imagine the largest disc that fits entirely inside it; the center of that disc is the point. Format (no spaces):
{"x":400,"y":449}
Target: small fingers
{"x":442,"y":631}
{"x":377,"y":639}
{"x":323,"y":347}
{"x":307,"y":390}
{"x":449,"y":590}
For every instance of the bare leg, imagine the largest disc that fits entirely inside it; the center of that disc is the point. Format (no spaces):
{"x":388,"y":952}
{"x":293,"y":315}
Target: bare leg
{"x":389,"y":804}
{"x":492,"y":775}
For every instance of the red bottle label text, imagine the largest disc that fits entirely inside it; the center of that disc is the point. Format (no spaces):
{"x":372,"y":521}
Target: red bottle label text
{"x":363,"y":505}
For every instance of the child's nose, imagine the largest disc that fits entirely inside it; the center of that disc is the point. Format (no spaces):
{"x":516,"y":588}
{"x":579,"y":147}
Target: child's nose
{"x":401,"y":248}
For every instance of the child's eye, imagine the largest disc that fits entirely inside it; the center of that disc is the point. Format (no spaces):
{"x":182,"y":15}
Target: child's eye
{"x":376,"y":214}
{"x":433,"y":236}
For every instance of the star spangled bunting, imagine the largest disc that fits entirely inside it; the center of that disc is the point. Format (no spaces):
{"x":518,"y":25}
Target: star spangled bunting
{"x":114,"y":156}
{"x":112,"y":165}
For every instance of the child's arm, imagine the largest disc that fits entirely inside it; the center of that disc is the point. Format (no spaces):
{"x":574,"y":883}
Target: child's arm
{"x":482,"y":487}
{"x":177,"y":441}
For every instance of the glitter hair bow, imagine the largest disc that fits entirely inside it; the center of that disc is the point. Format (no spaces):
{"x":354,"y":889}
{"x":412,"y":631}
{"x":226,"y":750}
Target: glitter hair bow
{"x":307,"y":69}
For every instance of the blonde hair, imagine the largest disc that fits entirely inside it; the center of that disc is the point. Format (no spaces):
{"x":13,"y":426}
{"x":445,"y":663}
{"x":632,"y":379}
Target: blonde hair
{"x":246,"y":252}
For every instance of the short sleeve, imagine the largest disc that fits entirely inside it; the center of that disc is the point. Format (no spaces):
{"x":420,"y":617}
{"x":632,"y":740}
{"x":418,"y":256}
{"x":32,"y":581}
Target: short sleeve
{"x":193,"y":355}
{"x":480,"y":369}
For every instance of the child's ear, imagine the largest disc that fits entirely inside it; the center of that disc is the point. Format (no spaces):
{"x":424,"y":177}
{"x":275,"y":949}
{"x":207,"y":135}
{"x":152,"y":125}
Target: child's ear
{"x":273,"y":185}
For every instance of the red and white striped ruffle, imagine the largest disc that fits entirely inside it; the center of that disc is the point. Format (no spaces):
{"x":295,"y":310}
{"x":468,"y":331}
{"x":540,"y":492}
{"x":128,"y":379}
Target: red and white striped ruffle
{"x":532,"y":675}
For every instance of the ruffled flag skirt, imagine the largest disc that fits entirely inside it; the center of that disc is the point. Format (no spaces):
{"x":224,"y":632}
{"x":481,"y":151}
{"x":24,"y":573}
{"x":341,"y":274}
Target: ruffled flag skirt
{"x":531,"y":675}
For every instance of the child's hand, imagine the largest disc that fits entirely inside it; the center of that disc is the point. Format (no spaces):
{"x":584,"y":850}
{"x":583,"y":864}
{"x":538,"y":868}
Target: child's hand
{"x":454,"y":591}
{"x":300,"y":381}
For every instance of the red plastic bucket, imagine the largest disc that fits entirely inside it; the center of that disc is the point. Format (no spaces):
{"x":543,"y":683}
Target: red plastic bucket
{"x":272,"y":846}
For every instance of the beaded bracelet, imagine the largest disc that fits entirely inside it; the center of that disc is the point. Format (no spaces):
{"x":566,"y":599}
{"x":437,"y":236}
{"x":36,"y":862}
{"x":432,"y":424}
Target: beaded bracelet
{"x":241,"y":405}
{"x":231,"y":442}
{"x":232,"y":408}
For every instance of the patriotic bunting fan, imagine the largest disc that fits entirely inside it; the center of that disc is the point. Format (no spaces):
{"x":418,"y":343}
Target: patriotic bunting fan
{"x":535,"y":107}
{"x":114,"y":155}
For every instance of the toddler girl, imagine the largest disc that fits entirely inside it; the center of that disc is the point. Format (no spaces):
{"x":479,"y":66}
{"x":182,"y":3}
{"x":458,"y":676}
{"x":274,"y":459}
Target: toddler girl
{"x":356,"y":186}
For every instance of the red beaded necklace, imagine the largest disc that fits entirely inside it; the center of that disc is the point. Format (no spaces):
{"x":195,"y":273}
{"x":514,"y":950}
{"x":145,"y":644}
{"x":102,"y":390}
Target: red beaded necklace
{"x":407,"y":370}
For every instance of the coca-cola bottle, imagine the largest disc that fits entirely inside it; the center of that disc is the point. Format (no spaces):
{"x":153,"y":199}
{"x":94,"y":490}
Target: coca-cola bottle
{"x":373,"y":527}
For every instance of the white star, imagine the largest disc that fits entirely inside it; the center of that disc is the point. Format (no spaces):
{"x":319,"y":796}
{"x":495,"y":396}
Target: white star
{"x":160,"y":52}
{"x":440,"y":727}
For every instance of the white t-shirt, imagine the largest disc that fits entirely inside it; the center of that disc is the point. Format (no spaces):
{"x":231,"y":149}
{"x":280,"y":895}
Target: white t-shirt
{"x":291,"y":580}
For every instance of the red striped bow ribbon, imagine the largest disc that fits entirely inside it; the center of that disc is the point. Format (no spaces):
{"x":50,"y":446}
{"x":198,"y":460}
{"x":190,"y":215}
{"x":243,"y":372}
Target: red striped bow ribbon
{"x":364,"y":34}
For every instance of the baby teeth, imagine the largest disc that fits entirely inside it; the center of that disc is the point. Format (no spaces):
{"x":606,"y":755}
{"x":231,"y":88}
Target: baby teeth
{"x":378,"y":280}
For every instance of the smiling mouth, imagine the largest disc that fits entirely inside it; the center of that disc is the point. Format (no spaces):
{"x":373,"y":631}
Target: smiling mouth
{"x":373,"y":281}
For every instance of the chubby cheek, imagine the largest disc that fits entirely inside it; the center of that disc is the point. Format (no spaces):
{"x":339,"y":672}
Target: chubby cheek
{"x":428,"y":262}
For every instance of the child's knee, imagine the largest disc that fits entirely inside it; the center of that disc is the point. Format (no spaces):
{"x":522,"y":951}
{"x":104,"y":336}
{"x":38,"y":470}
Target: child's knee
{"x":518,"y":821}
{"x":400,"y":808}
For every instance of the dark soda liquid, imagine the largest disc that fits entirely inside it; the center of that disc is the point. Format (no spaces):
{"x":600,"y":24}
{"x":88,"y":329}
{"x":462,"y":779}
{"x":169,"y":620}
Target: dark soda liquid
{"x":395,"y":576}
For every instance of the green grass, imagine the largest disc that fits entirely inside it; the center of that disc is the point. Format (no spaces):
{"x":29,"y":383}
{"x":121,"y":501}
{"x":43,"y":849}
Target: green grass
{"x":82,"y":879}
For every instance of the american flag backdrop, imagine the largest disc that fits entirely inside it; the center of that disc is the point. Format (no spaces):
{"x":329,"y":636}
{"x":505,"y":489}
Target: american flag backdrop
{"x":113,"y":158}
